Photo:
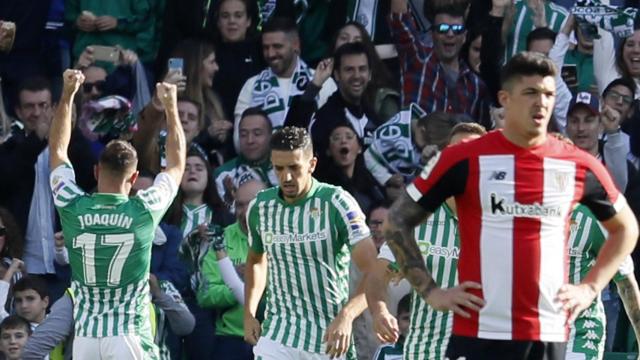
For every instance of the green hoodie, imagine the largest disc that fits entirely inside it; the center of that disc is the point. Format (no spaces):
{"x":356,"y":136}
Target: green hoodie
{"x":214,"y":292}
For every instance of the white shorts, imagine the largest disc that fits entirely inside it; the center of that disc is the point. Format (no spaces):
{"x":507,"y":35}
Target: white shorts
{"x":124,"y":347}
{"x":267,"y":349}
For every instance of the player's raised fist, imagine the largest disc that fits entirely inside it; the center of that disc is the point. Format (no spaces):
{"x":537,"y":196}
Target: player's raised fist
{"x":167,"y":94}
{"x":72,"y":80}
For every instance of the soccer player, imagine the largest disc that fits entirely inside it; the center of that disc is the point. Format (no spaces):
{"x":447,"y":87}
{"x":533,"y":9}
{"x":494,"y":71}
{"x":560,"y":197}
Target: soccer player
{"x":439,"y":243}
{"x":109,"y":235}
{"x":300,"y":235}
{"x":514,"y":191}
{"x":587,"y":336}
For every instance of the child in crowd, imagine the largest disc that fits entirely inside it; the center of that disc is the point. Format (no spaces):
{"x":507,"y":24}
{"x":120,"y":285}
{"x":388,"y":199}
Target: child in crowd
{"x":394,"y":351}
{"x":14,"y":332}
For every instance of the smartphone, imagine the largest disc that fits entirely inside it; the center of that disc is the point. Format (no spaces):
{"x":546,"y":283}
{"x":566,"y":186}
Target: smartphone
{"x":106,"y":53}
{"x":175,"y":64}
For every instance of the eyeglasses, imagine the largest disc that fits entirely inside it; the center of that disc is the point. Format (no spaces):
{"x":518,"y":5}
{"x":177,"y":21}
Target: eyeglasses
{"x":616,"y":96}
{"x":99,"y":85}
{"x":3,"y":231}
{"x":444,"y":28}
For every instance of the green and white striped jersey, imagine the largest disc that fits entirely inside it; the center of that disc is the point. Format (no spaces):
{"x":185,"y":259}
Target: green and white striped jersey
{"x":439,"y":243}
{"x":193,"y":216}
{"x":307,"y":245}
{"x":585,"y":241}
{"x":109,"y":239}
{"x":522,"y":25}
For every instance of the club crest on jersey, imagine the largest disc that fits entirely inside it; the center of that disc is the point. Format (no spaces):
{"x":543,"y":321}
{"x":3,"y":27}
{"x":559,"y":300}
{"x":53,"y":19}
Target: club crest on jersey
{"x":561,"y":180}
{"x":314,"y":213}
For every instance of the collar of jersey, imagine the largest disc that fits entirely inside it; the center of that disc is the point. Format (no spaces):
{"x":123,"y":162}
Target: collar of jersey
{"x":111,"y":197}
{"x":310,"y":193}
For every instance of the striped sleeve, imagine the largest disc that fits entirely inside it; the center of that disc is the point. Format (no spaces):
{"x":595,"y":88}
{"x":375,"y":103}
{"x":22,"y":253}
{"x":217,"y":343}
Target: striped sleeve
{"x":63,"y":186}
{"x":159,"y":197}
{"x":253,"y":225}
{"x":350,"y":221}
{"x":600,"y":193}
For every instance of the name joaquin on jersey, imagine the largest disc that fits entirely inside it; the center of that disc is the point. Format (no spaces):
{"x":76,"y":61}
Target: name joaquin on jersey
{"x":535,"y":210}
{"x":119,"y":220}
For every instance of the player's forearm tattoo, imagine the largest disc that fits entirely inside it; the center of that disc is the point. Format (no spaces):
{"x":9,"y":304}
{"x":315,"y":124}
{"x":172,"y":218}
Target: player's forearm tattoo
{"x":628,"y":290}
{"x":404,"y":216}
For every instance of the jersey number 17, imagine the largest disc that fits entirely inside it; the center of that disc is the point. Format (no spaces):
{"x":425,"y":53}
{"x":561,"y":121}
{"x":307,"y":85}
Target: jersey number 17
{"x":87,"y":242}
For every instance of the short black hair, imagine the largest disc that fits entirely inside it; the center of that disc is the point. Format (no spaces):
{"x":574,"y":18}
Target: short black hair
{"x":34,"y":84}
{"x":146,"y":173}
{"x":31,"y":282}
{"x":623,"y":81}
{"x":256,"y":111}
{"x":280,"y":24}
{"x":354,"y":48}
{"x":451,"y":8}
{"x":291,"y":138}
{"x":12,"y":322}
{"x":404,"y":305}
{"x":526,"y":63}
{"x":438,"y":124}
{"x":542,"y":33}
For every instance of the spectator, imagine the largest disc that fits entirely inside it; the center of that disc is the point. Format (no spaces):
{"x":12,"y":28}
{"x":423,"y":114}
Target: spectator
{"x":32,"y":299}
{"x":344,"y":166}
{"x":434,"y":77}
{"x":286,"y":76}
{"x":529,"y":15}
{"x":577,"y":71}
{"x":200,"y":67}
{"x":541,"y":40}
{"x":375,"y":218}
{"x":404,"y":144}
{"x":238,"y":50}
{"x":30,"y":200}
{"x":395,"y":351}
{"x":24,"y":60}
{"x":108,"y":23}
{"x":14,"y":333}
{"x":197,"y":204}
{"x":253,"y":161}
{"x":227,"y":298}
{"x":165,"y":264}
{"x":585,"y":124}
{"x":381,"y":97}
{"x":346,"y":106}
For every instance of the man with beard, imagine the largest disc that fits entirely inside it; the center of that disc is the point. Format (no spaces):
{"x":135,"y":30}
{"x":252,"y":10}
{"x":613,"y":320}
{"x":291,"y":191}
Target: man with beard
{"x":286,"y":76}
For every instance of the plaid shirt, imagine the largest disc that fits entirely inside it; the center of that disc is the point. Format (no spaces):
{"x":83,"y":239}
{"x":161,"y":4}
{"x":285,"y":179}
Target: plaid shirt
{"x":423,"y":78}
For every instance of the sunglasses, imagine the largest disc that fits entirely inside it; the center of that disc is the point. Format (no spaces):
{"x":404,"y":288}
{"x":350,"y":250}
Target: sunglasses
{"x":444,"y":28}
{"x":3,"y":231}
{"x":616,"y":96}
{"x":99,"y":85}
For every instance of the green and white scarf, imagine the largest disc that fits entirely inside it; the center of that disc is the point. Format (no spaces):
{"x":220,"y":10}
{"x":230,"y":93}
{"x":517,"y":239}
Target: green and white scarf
{"x":616,"y":20}
{"x":268,"y":94}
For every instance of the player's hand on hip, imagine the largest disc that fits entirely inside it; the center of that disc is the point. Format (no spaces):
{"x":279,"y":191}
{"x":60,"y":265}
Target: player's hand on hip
{"x":252,"y":329}
{"x":385,"y":326}
{"x":338,"y":336}
{"x":72,"y":79}
{"x":575,"y":298}
{"x":457,"y":299}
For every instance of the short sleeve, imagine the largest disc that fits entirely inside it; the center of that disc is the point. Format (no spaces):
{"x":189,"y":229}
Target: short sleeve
{"x":350,"y":218}
{"x":600,"y":194}
{"x":443,"y":176}
{"x":386,"y":254}
{"x":63,"y":186}
{"x":159,"y":196}
{"x":253,"y":223}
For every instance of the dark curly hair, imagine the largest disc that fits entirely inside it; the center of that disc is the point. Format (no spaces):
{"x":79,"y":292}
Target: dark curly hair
{"x":14,"y":241}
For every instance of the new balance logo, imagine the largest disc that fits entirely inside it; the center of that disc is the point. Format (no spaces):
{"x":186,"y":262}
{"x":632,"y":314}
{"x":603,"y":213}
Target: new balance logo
{"x":498,"y":175}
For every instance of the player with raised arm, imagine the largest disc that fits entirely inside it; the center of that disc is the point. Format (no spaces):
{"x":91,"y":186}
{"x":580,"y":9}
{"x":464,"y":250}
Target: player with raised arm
{"x":300,"y":236}
{"x":109,"y":235}
{"x":514,"y":192}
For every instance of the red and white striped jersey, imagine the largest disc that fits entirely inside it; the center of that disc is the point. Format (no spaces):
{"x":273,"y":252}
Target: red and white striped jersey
{"x":514,"y":206}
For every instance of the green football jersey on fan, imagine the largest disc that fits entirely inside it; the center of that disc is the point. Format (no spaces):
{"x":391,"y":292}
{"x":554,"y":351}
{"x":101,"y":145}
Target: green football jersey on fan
{"x":109,"y":238}
{"x":438,"y":240}
{"x":308,"y":244}
{"x":586,"y":238}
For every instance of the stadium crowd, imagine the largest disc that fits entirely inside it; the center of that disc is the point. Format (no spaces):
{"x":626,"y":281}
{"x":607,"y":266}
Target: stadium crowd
{"x":381,"y":86}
